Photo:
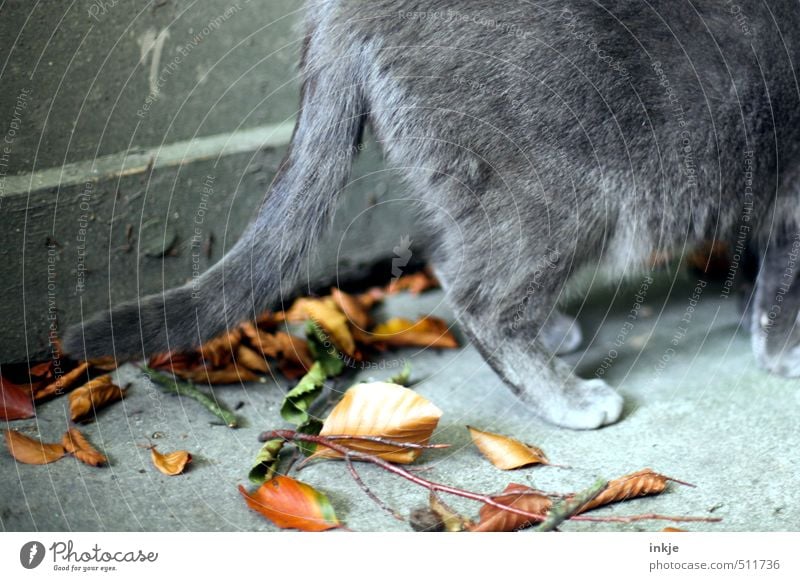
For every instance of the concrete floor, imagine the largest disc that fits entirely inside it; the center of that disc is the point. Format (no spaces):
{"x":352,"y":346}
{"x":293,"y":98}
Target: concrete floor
{"x":700,"y":411}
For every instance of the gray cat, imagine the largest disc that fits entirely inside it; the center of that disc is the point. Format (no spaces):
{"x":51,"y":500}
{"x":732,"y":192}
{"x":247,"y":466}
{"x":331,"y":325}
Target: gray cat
{"x":551,"y":137}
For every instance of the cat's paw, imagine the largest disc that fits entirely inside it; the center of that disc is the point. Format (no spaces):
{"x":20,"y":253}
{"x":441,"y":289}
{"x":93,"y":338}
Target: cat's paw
{"x":585,"y":405}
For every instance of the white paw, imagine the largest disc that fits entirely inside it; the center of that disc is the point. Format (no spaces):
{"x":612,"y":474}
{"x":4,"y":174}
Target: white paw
{"x":587,"y":405}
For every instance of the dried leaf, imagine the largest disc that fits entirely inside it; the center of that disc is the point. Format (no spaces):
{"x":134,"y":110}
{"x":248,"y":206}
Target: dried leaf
{"x":75,"y":443}
{"x":299,"y":399}
{"x":642,"y":483}
{"x":15,"y":401}
{"x":266,"y":461}
{"x":30,"y":451}
{"x":415,"y":283}
{"x":63,"y":384}
{"x":426,"y":332}
{"x":170,"y":464}
{"x":327,"y":315}
{"x":385,"y":410}
{"x":291,"y":504}
{"x":352,"y":307}
{"x":291,"y":352}
{"x":371,"y":297}
{"x":224,"y":376}
{"x":92,"y":396}
{"x":673,"y":530}
{"x":107,"y":363}
{"x":251,"y":360}
{"x":493,"y":519}
{"x":504,"y":452}
{"x":219,"y":351}
{"x":177,"y":362}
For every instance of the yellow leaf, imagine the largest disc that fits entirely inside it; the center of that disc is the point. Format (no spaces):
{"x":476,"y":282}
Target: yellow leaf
{"x":327,"y":315}
{"x":383,"y":410}
{"x":30,"y":451}
{"x":504,"y":452}
{"x":292,"y":504}
{"x":426,"y":332}
{"x":170,"y":464}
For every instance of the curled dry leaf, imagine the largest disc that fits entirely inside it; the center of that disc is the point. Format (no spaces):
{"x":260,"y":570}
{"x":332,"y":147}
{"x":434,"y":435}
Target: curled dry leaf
{"x":504,"y":452}
{"x":673,"y":530}
{"x":15,"y":401}
{"x":92,"y":396}
{"x":107,"y":363}
{"x":75,"y":443}
{"x":384,"y":410}
{"x":223,"y":376}
{"x":352,"y":307}
{"x":493,"y":519}
{"x":426,"y":332}
{"x":62,"y":384}
{"x":30,"y":451}
{"x":219,"y":350}
{"x":415,"y":283}
{"x":170,"y":464}
{"x":328,"y":316}
{"x":642,"y":483}
{"x":292,"y":504}
{"x":253,"y":361}
{"x":177,"y":362}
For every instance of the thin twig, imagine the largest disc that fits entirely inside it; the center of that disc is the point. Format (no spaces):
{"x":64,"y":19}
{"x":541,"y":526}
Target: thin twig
{"x":369,"y":492}
{"x":387,"y":442}
{"x":568,"y":508}
{"x":438,"y":487}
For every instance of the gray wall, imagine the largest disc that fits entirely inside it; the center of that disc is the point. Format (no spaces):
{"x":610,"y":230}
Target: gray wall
{"x":123,"y":123}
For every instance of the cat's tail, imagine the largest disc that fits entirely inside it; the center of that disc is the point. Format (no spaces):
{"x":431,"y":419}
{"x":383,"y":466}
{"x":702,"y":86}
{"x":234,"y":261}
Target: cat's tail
{"x":272,"y":252}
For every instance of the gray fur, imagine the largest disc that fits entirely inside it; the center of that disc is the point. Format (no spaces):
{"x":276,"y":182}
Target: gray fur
{"x":551,"y":137}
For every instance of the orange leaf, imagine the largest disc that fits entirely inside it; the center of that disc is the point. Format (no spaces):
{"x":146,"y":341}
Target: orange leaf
{"x":251,"y":360}
{"x":426,"y":332}
{"x":30,"y":451}
{"x":415,"y":283}
{"x":642,"y":483}
{"x":673,"y":530}
{"x":63,"y":383}
{"x":219,"y":350}
{"x":92,"y":396}
{"x":225,"y":376}
{"x":504,"y":452}
{"x":107,"y":363}
{"x":15,"y":402}
{"x":327,"y":315}
{"x":352,"y":307}
{"x":75,"y":443}
{"x":384,"y":410}
{"x":493,"y":519}
{"x":170,"y":464}
{"x":292,"y":504}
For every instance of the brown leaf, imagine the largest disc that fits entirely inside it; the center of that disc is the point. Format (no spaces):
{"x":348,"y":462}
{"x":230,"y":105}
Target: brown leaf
{"x":642,"y":483}
{"x":270,"y":320}
{"x":251,"y":360}
{"x":30,"y":451}
{"x":224,"y":376}
{"x":427,"y":332}
{"x":289,"y":350}
{"x":327,"y":315}
{"x":172,"y":463}
{"x":493,"y":519}
{"x":352,"y":307}
{"x":504,"y":452}
{"x":385,"y":410}
{"x":16,"y":402}
{"x":75,"y":443}
{"x":219,"y":350}
{"x":292,"y":504}
{"x":673,"y":530}
{"x":63,"y":383}
{"x":92,"y":396}
{"x":371,"y":297}
{"x":415,"y":283}
{"x":174,"y":361}
{"x":107,"y":363}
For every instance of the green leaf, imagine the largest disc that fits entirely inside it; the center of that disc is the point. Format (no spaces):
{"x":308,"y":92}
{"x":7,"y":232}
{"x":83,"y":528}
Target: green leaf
{"x":403,"y":377}
{"x":323,"y":350}
{"x":297,"y":402}
{"x":312,"y":427}
{"x":266,"y":462}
